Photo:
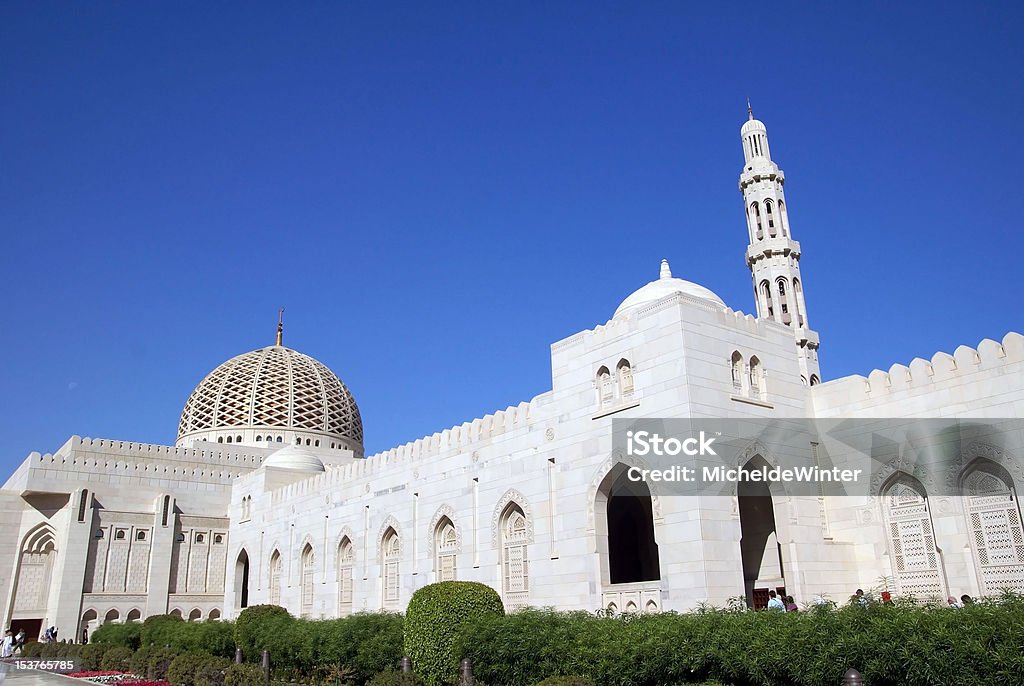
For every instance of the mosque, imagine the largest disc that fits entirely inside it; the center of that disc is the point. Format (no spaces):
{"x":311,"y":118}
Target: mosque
{"x":266,"y":495}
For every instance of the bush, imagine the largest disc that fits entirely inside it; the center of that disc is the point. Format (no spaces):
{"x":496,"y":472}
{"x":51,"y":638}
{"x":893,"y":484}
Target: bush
{"x":32,"y":649}
{"x":435,"y":621}
{"x":159,"y":662}
{"x":197,"y":669}
{"x":91,"y":655}
{"x":138,"y":663}
{"x":159,"y":630}
{"x":128,"y":635}
{"x":243,"y":675}
{"x":890,"y":645}
{"x":116,"y":659}
{"x":566,"y":681}
{"x":260,"y":627}
{"x":393,"y":678}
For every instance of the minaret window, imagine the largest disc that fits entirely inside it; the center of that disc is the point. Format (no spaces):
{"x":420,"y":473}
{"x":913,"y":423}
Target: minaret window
{"x":755,"y":211}
{"x":771,"y":218}
{"x":783,"y":219}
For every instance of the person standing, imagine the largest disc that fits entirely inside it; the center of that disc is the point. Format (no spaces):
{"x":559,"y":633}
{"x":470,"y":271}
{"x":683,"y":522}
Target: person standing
{"x":774,"y":602}
{"x":7,"y":644}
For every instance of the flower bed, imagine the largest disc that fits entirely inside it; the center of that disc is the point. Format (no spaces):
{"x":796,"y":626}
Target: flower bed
{"x":119,"y":678}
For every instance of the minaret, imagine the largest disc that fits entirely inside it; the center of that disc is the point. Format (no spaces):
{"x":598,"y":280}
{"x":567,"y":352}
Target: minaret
{"x":773,"y":256}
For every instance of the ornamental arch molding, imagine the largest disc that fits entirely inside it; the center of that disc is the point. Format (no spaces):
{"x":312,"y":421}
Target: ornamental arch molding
{"x":389,"y":523}
{"x":615,"y":459}
{"x":511,"y":496}
{"x":444,"y":512}
{"x":346,"y":532}
{"x":976,"y":451}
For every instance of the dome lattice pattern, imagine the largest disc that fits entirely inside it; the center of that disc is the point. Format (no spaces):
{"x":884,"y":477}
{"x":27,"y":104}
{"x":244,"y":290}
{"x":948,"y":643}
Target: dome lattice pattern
{"x":276,"y":388}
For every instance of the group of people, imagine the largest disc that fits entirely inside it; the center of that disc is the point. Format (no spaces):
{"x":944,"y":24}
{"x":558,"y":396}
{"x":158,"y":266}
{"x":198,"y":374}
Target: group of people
{"x":781,"y":602}
{"x":12,"y":643}
{"x":786,"y":603}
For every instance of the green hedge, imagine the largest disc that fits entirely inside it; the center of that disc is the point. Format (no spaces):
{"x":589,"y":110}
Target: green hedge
{"x":127,"y":635}
{"x":435,"y":620}
{"x":890,"y":645}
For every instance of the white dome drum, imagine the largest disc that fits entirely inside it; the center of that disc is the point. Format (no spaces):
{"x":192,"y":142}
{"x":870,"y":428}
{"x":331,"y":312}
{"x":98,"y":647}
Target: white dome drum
{"x":273,"y":395}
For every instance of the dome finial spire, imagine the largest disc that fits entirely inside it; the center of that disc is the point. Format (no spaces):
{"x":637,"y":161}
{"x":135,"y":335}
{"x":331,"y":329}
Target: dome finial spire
{"x":666,"y":272}
{"x":280,"y":326}
{"x":750,"y":110}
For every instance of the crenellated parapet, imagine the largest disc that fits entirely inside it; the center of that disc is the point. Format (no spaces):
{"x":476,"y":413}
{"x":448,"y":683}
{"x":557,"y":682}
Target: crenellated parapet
{"x":989,"y":355}
{"x":463,"y":438}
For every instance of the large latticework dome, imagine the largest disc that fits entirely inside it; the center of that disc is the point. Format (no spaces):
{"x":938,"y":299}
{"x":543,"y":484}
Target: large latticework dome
{"x":272,"y":395}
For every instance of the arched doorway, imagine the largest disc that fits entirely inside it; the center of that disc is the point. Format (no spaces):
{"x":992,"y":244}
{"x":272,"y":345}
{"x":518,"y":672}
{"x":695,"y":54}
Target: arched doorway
{"x":627,"y":543}
{"x":32,"y":587}
{"x":242,"y":579}
{"x":760,"y":552}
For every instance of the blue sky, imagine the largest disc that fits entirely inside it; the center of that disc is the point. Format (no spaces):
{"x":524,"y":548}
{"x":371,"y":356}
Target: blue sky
{"x":437,"y":193}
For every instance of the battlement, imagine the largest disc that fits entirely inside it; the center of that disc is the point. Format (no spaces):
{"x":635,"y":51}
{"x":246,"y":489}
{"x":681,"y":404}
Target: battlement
{"x":243,"y":457}
{"x":451,"y":441}
{"x":139,"y":460}
{"x":988,"y":355}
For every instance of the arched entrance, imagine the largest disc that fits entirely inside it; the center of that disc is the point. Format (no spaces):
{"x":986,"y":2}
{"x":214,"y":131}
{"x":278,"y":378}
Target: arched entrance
{"x":627,"y":543}
{"x":242,"y":579}
{"x":32,"y":587}
{"x":759,"y":545}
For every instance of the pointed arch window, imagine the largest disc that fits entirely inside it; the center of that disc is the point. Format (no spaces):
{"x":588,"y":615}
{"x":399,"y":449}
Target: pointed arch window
{"x":346,"y":563}
{"x":770,"y":216}
{"x":625,"y":378}
{"x":445,"y":542}
{"x":275,"y":578}
{"x":306,"y":590}
{"x":915,"y":559}
{"x":515,"y":564}
{"x":736,"y":364}
{"x":605,"y":387}
{"x":391,"y":554}
{"x":756,"y":378}
{"x":755,"y":211}
{"x":994,"y":521}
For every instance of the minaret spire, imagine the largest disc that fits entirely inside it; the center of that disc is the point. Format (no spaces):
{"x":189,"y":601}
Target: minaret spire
{"x":280,"y":327}
{"x":773,"y":256}
{"x":750,"y":111}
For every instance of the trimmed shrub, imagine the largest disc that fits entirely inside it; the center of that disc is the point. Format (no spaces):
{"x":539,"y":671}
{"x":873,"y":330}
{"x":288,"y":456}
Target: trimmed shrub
{"x":32,"y":649}
{"x":260,"y":627}
{"x":393,"y":678}
{"x":91,"y":655}
{"x":117,"y":659}
{"x":891,"y":645}
{"x":128,"y":635}
{"x":138,"y":663}
{"x":435,"y":621}
{"x":566,"y":681}
{"x":243,"y":675}
{"x":159,"y":630}
{"x":197,"y":669}
{"x":159,"y":662}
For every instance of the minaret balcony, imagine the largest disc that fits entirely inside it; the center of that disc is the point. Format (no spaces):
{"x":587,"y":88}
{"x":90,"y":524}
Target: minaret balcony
{"x":772,"y":246}
{"x":806,"y":337}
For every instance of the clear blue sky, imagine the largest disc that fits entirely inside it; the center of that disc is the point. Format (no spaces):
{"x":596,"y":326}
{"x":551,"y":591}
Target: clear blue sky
{"x":438,"y":191}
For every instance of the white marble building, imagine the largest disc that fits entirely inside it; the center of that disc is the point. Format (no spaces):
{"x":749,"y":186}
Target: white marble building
{"x":267,"y":497}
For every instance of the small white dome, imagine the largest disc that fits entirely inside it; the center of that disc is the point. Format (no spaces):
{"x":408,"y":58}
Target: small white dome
{"x":752,"y":125}
{"x":294,"y":457}
{"x":663,"y":287}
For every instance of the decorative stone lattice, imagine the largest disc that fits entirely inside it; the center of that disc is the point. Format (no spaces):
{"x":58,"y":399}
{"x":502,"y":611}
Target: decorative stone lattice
{"x":275,"y":388}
